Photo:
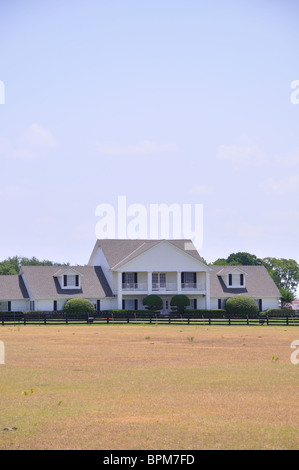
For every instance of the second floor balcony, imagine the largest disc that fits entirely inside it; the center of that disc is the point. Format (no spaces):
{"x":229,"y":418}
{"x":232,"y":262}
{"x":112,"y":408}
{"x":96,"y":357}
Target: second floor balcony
{"x":163,"y":285}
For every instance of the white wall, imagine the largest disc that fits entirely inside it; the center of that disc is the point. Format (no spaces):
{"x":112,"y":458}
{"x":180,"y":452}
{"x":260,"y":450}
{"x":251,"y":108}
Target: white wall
{"x":100,"y":260}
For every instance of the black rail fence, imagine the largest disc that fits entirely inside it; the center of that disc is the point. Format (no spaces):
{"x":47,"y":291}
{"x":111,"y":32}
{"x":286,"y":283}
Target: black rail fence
{"x":55,"y":318}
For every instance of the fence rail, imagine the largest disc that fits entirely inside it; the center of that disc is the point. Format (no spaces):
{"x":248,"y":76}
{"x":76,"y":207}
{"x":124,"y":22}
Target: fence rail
{"x":52,"y":318}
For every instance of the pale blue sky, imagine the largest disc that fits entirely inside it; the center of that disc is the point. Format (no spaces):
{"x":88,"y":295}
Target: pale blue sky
{"x":161,"y":101}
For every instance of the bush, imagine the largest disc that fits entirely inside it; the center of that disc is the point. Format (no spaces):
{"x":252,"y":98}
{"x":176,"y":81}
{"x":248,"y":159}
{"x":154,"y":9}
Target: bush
{"x":279,"y":312}
{"x":179,"y":303}
{"x":79,"y":306}
{"x":153,"y":303}
{"x":241,"y":305}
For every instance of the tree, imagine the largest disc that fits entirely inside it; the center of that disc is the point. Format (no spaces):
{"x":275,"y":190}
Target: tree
{"x":78,"y":305}
{"x":179,"y":303}
{"x":241,"y":305}
{"x":245,"y":259}
{"x":153,"y":303}
{"x":287,"y":296}
{"x":284,"y":272}
{"x":13,"y":264}
{"x":239,"y":258}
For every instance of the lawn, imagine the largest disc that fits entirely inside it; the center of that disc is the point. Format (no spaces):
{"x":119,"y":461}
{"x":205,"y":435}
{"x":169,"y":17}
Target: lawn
{"x":148,"y":387}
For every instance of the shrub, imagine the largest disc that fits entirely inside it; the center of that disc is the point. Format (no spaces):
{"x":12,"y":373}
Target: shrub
{"x":241,"y":305}
{"x":179,"y":303}
{"x":79,"y":306}
{"x":279,"y":312}
{"x":153,"y":302}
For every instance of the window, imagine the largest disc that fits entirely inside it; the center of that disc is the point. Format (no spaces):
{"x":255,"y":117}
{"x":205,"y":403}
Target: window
{"x":188,"y":279}
{"x":98,"y":305}
{"x":3,"y":306}
{"x":236,"y":280}
{"x":71,"y":280}
{"x":129,"y":280}
{"x":129,"y":304}
{"x":55,"y":305}
{"x":158,"y":280}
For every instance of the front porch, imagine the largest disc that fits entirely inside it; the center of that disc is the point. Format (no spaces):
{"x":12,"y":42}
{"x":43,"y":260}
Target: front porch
{"x":130,"y":302}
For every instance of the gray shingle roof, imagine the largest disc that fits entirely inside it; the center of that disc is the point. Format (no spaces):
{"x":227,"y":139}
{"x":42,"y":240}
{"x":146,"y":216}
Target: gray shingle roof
{"x":43,"y":283}
{"x":258,"y":283}
{"x":12,"y":288}
{"x":120,"y":251}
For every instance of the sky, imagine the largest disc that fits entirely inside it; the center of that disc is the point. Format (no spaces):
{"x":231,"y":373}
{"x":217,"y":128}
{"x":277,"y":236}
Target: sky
{"x":158,"y":101}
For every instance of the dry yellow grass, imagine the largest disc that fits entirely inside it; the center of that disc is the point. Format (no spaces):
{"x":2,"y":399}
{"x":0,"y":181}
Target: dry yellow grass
{"x":149,"y":387}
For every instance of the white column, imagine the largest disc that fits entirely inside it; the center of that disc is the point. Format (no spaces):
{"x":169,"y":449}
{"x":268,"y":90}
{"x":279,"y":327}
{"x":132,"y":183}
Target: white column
{"x":149,"y":283}
{"x":179,"y":282}
{"x":119,"y":291}
{"x":208,"y":290}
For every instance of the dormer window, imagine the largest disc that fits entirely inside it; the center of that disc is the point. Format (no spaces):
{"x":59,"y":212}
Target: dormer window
{"x":71,"y":280}
{"x":236,"y":280}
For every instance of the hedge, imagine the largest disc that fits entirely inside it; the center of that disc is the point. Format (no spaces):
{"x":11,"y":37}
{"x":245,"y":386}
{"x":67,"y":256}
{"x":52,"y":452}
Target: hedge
{"x":279,"y":312}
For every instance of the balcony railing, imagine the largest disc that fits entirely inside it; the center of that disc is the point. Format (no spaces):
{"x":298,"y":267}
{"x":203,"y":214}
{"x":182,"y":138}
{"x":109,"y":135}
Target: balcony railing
{"x":192,"y":286}
{"x":134,"y":286}
{"x":162,"y":286}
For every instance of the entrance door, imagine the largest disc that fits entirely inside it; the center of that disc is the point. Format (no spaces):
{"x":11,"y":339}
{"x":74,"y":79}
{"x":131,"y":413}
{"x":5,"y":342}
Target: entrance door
{"x":166,"y":306}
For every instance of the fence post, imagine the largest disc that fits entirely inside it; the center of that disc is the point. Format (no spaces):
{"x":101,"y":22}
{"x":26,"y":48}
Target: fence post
{"x":267,"y":320}
{"x":45,"y":319}
{"x":209,"y":320}
{"x":287,"y":319}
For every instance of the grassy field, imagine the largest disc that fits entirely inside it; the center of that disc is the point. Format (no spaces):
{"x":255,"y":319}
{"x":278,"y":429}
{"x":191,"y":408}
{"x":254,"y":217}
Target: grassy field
{"x":148,"y":387}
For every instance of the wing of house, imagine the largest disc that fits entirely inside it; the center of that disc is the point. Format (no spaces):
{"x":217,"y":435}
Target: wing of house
{"x":13,"y":294}
{"x":49,"y":287}
{"x":250,"y":281}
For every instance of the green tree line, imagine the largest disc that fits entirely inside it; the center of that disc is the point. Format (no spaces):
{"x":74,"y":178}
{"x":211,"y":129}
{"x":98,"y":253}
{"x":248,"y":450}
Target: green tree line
{"x":13,"y":264}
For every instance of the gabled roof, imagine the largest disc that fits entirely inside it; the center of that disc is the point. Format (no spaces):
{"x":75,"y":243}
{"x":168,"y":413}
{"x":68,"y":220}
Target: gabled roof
{"x":229,"y":269}
{"x":67,"y":269}
{"x":120,"y":251}
{"x":43,"y":283}
{"x":258,"y":283}
{"x":12,"y":288}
